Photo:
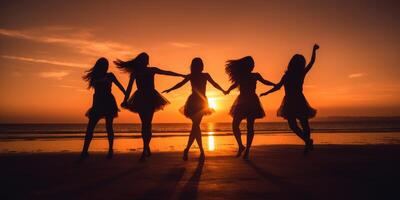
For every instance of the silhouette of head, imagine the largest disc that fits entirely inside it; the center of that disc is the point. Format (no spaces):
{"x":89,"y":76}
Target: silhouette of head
{"x":139,"y":63}
{"x":99,"y":70}
{"x":196,"y":66}
{"x":296,"y":64}
{"x":240,"y":68}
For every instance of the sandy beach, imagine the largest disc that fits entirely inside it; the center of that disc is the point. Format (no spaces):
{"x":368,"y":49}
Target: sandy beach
{"x":274,"y":172}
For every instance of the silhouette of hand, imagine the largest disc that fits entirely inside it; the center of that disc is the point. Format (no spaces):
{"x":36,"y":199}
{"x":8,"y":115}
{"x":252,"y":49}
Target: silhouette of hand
{"x":263,"y":94}
{"x":316,"y":46}
{"x":124,"y":104}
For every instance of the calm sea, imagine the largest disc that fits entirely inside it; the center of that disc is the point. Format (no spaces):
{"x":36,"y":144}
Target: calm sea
{"x":217,"y":137}
{"x":334,"y":125}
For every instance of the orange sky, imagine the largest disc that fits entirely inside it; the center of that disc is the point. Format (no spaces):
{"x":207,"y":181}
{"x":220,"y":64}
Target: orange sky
{"x":45,"y":47}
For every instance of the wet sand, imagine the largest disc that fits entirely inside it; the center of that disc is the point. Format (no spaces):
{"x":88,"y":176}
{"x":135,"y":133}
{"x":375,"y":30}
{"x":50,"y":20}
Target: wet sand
{"x":274,"y":172}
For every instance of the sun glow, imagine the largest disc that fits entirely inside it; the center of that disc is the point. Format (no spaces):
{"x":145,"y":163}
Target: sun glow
{"x":211,"y":142}
{"x":212,"y":103}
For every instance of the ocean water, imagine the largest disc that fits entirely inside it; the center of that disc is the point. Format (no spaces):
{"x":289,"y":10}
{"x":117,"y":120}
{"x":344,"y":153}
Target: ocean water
{"x":217,"y":137}
{"x":31,"y":131}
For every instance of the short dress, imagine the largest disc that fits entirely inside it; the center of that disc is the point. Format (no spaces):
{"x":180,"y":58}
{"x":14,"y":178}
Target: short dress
{"x":247,"y":104}
{"x":146,"y":98}
{"x":295,"y":104}
{"x":104,"y":104}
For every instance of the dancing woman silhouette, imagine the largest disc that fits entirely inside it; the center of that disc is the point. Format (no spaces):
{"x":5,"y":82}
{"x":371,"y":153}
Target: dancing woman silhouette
{"x":104,"y":104}
{"x":294,"y":105}
{"x":146,"y":100}
{"x":196,"y":105}
{"x":247,"y":105}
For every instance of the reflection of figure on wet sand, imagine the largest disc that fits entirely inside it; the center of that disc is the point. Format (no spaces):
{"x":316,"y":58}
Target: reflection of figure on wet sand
{"x":247,"y":105}
{"x":104,"y":104}
{"x":146,"y":100}
{"x":294,"y":105}
{"x":190,"y":189}
{"x":196,"y":105}
{"x":292,"y":191}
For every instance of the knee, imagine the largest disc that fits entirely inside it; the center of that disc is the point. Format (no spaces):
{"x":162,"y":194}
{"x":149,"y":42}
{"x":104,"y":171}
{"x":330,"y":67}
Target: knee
{"x":293,"y":126}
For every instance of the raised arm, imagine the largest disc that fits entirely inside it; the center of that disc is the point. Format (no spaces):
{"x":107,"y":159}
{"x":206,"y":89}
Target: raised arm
{"x":233,"y":86}
{"x":117,"y":83}
{"x":275,"y":88}
{"x":312,"y":60}
{"x":180,"y":84}
{"x":263,"y":81}
{"x":168,"y":73}
{"x":215,"y":84}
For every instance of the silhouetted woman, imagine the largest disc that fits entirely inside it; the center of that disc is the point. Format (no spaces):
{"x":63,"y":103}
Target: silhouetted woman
{"x":146,"y":100}
{"x":294,"y":105}
{"x":247,"y":105}
{"x":104,"y":104}
{"x":196,"y":105}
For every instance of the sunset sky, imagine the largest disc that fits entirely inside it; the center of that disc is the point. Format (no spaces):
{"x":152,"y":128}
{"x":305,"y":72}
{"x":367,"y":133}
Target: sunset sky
{"x":45,"y":47}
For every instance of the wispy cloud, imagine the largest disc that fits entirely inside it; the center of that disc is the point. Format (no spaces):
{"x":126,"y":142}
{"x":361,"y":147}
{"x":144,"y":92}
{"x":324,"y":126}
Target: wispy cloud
{"x":356,"y":75}
{"x":54,"y":74}
{"x":182,"y":44}
{"x":52,"y":62}
{"x":81,"y":40}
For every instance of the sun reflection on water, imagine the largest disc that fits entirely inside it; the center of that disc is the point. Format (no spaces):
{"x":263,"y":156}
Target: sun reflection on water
{"x":211,"y":142}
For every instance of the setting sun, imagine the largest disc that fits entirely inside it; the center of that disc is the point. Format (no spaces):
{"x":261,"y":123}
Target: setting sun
{"x":212,"y":103}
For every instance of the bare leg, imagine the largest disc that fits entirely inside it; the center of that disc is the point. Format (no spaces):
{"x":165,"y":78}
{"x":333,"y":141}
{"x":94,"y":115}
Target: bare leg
{"x":89,"y":135}
{"x":295,"y":128}
{"x":250,"y":136}
{"x":236,"y":131}
{"x":110,"y":135}
{"x":307,"y":133}
{"x":190,"y":141}
{"x":149,"y":132}
{"x":197,"y":132}
{"x":146,"y":118}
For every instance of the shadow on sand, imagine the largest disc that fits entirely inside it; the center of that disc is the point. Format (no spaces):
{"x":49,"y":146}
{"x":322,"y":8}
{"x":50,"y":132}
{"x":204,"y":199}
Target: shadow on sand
{"x":292,"y":191}
{"x":190,"y":189}
{"x":166,"y":187}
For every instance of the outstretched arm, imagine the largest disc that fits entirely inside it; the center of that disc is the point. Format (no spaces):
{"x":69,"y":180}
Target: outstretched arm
{"x":168,"y":73}
{"x":233,"y":86}
{"x":117,"y":83}
{"x":263,"y":81}
{"x":180,"y":84}
{"x":215,"y":84}
{"x":312,"y":60}
{"x":276,"y":88}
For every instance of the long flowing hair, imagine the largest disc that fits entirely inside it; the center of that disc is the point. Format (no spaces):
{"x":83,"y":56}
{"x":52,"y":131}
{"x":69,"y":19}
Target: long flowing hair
{"x":196,"y":66}
{"x":239,"y":69}
{"x":99,"y":69}
{"x":137,"y":64}
{"x":296,"y":65}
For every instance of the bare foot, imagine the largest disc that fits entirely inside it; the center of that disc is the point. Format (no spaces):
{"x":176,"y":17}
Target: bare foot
{"x":185,"y":155}
{"x":148,"y":152}
{"x":142,"y":157}
{"x":110,"y":154}
{"x":246,"y":155}
{"x":240,"y":150}
{"x":202,"y":156}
